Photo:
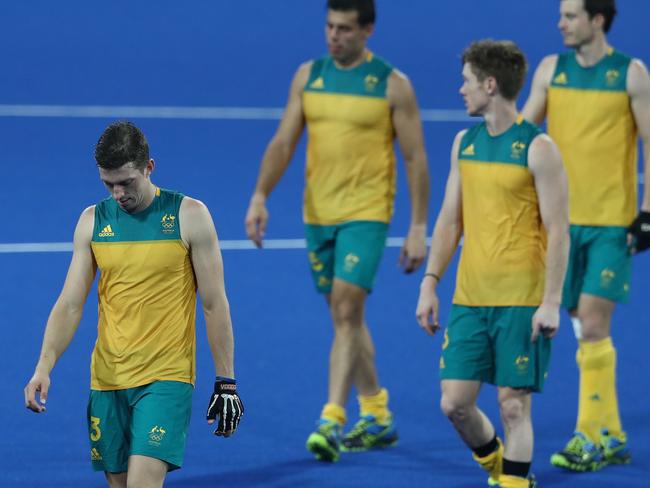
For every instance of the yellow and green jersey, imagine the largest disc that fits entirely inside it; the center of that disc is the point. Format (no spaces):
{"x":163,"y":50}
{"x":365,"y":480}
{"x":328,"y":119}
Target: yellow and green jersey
{"x":502,"y":261}
{"x":590,"y":119}
{"x":350,"y":159}
{"x":147,"y":296}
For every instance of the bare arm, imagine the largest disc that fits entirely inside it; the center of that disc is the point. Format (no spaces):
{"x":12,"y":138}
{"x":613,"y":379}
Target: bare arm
{"x":535,"y":108}
{"x":546,"y":166}
{"x":638,"y":83}
{"x":66,"y":313}
{"x":277,"y":156}
{"x":444,"y":241}
{"x":408,"y":130}
{"x":199,"y":233}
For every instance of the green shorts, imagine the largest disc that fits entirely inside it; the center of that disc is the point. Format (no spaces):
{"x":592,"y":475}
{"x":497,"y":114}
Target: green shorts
{"x":350,"y":252}
{"x":150,"y":420}
{"x":492,"y":345}
{"x":599,"y":264}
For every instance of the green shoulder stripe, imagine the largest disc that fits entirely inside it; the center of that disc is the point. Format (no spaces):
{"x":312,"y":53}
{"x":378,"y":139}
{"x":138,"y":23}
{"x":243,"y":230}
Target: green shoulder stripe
{"x":369,"y":79}
{"x":157,"y":222}
{"x":511,"y":147}
{"x":609,"y":74}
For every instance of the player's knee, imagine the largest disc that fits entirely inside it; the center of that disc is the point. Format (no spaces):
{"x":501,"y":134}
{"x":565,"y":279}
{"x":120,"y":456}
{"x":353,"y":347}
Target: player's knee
{"x":143,"y":482}
{"x":116,"y":480}
{"x":513,"y":410}
{"x":455,"y":410}
{"x":146,"y":472}
{"x":346,"y":313}
{"x":594,"y":326}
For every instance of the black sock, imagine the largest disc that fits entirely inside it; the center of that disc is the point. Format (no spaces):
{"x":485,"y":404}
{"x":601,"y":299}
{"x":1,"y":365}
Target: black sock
{"x":488,"y":448}
{"x":515,"y":468}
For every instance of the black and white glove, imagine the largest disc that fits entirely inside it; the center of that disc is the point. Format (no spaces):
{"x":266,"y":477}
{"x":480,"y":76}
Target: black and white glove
{"x":640,"y":232}
{"x":226,"y":404}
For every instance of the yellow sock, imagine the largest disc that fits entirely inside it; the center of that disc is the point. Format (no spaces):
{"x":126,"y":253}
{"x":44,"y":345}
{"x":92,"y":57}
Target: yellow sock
{"x":598,"y":404}
{"x":509,"y":481}
{"x":334,"y":413}
{"x":375,"y":405}
{"x":493,"y":462}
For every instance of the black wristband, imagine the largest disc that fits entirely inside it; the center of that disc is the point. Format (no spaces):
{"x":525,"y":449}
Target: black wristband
{"x":225,"y":379}
{"x":433,"y":275}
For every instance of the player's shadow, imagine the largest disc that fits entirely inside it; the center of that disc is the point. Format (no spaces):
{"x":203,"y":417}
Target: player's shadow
{"x":418,"y":467}
{"x":286,"y":474}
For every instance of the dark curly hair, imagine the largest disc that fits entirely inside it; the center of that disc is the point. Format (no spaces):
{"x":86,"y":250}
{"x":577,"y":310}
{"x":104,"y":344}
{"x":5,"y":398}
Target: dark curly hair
{"x":501,"y":59}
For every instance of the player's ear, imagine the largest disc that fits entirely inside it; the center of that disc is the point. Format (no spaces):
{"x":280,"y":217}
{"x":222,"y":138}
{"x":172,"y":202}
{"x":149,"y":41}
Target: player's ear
{"x":151,"y":164}
{"x":368,"y":30}
{"x":491,"y":85}
{"x":598,"y":21}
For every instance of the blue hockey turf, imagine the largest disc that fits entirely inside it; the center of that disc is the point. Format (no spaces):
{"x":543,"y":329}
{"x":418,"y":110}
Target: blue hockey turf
{"x":131,"y":56}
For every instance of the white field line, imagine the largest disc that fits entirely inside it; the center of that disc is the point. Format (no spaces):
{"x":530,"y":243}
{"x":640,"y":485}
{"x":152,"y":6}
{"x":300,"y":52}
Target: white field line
{"x":202,"y":113}
{"x":205,"y":113}
{"x":226,"y":245}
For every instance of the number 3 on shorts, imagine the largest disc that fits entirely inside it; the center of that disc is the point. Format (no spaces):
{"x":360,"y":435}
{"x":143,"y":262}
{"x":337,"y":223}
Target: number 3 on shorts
{"x":94,"y":425}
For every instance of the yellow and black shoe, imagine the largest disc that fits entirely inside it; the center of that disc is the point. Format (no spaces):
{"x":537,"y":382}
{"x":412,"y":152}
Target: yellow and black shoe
{"x":325,"y":441}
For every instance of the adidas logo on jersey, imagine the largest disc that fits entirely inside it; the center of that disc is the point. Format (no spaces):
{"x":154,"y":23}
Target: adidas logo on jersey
{"x":107,"y":231}
{"x":317,"y":84}
{"x":561,"y":79}
{"x":468,"y":151}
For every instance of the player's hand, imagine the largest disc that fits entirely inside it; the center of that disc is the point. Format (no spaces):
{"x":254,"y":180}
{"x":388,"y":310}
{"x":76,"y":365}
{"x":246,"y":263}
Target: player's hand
{"x":257,"y":217}
{"x":225,"y":404}
{"x":414,"y":250}
{"x":38,"y":385}
{"x":638,"y":234}
{"x":426,"y":311}
{"x":545,"y":321}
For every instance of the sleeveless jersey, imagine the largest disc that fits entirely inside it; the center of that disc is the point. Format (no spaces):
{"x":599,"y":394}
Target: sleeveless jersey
{"x":147,"y":296}
{"x":350,"y":159}
{"x":590,"y":119}
{"x":503,"y":258}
